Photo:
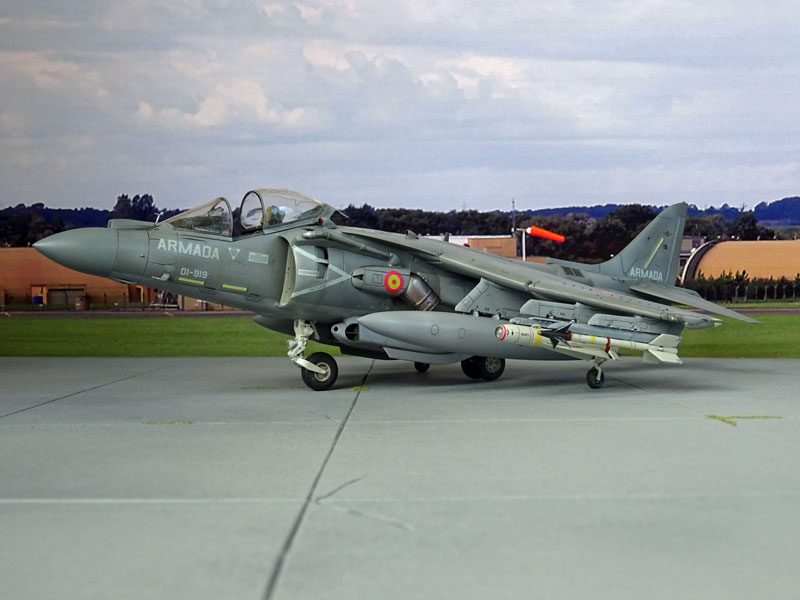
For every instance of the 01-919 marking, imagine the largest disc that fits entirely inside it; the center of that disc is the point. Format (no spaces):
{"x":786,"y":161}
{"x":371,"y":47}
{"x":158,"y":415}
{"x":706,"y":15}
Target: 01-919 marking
{"x":196,"y":273}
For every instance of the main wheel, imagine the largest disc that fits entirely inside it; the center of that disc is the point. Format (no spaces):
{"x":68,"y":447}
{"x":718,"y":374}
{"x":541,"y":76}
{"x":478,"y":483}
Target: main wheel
{"x":422,"y":367}
{"x":326,"y":379}
{"x":595,"y":378}
{"x":470,"y":367}
{"x":490,"y":368}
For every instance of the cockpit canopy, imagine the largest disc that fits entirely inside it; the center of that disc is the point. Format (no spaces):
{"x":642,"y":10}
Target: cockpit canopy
{"x":260,"y":209}
{"x":265,"y":208}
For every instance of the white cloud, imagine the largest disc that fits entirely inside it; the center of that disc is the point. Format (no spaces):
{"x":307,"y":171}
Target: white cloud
{"x":416,"y":102}
{"x":239,"y":103}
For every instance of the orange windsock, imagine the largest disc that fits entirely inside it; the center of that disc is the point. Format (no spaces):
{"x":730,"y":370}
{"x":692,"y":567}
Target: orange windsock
{"x":543,"y":233}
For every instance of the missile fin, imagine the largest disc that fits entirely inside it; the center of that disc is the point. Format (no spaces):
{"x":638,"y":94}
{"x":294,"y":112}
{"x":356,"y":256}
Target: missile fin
{"x":558,"y":333}
{"x":667,"y":341}
{"x":653,"y":356}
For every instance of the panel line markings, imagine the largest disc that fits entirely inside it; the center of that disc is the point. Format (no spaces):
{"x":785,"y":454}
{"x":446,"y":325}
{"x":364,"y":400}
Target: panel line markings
{"x":96,"y":387}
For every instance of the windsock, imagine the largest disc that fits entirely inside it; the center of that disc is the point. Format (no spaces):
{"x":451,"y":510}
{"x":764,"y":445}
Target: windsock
{"x":544,"y":233}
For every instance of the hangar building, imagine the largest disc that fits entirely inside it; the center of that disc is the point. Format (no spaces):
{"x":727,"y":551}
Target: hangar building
{"x":764,"y":258}
{"x":27,"y":277}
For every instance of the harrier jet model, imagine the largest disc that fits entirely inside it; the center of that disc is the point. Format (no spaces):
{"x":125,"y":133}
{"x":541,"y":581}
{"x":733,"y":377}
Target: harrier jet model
{"x":385,"y":295}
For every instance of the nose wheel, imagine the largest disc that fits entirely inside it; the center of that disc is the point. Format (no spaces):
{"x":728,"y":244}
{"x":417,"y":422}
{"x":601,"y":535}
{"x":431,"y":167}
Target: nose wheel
{"x":325,"y":374}
{"x":319,"y":370}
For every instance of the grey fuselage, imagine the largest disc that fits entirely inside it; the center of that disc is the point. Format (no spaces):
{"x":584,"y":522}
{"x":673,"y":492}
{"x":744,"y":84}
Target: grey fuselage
{"x":280,"y":274}
{"x":281,"y":256}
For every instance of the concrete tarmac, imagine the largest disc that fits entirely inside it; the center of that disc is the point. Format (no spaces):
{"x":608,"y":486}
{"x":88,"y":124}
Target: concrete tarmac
{"x":227,"y":478}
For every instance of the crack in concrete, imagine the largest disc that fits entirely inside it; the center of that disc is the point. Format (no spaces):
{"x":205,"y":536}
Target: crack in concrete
{"x":325,"y":501}
{"x":336,"y":490}
{"x":402,"y":525}
{"x":288,"y":544}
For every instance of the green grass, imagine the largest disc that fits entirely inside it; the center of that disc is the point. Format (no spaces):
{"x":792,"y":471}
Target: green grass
{"x":141,"y":336}
{"x":762,"y":304}
{"x":778,"y":336}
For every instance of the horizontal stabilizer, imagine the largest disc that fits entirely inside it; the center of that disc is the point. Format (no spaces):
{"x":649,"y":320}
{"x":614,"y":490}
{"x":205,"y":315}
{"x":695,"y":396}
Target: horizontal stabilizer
{"x":683,"y":296}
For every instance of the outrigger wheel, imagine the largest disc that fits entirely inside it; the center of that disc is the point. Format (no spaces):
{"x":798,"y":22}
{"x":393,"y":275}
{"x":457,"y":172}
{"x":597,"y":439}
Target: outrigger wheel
{"x":421,"y":366}
{"x":324,"y":380}
{"x":595,"y":378}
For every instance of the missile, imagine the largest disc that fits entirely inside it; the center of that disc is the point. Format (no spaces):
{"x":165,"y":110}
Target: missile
{"x":663,"y":348}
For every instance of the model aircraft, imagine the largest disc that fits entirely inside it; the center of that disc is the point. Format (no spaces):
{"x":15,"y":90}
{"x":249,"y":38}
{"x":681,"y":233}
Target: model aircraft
{"x":385,"y":295}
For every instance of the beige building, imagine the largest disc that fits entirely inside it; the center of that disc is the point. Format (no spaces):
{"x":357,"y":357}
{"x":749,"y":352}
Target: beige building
{"x":767,"y":258}
{"x":502,"y":246}
{"x":27,"y":277}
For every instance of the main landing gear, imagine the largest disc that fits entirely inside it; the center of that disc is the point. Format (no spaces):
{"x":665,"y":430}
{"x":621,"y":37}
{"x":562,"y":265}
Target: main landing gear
{"x":483,"y":367}
{"x":475,"y":367}
{"x":319,"y":370}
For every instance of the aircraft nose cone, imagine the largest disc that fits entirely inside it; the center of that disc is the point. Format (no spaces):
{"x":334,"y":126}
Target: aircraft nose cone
{"x":91,"y":250}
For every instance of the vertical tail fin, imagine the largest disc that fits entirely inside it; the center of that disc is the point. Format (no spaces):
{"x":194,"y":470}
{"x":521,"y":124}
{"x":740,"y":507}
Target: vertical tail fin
{"x":654,"y":254}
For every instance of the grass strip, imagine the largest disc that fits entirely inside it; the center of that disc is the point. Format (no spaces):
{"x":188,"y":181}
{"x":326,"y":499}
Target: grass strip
{"x":778,"y":336}
{"x":142,"y":337}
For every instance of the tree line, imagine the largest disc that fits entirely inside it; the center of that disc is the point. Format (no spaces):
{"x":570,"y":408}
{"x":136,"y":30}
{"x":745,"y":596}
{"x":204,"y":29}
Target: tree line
{"x":22,"y":225}
{"x":593,"y":234}
{"x":588,"y":238}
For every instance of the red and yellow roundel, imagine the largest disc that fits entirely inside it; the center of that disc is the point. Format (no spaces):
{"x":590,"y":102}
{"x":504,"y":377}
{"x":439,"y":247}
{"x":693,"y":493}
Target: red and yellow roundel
{"x":393,"y":282}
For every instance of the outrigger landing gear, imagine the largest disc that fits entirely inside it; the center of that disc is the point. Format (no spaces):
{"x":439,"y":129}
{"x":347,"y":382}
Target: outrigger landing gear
{"x":595,"y":377}
{"x":319,"y":371}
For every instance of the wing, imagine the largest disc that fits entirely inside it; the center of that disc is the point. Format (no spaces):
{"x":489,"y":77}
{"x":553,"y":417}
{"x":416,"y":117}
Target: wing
{"x":540,"y":281}
{"x":688,"y":297}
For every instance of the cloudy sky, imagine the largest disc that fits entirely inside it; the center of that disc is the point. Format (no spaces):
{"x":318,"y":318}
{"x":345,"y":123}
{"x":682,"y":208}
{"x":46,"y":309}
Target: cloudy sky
{"x":435,"y":104}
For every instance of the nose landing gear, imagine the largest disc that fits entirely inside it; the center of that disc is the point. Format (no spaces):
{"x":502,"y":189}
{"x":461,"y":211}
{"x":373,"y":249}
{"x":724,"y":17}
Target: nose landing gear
{"x":325,"y":375}
{"x":319,"y":371}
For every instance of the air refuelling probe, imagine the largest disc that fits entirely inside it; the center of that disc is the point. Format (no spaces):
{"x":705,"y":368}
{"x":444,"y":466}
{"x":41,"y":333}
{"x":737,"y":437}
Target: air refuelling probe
{"x":384,"y":295}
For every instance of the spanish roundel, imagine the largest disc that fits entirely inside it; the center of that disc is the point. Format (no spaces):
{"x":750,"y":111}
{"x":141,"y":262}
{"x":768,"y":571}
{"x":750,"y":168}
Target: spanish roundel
{"x":393,"y":282}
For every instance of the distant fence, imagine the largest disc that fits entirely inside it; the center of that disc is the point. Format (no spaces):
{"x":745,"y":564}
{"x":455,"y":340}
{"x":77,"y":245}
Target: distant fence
{"x":29,"y":304}
{"x":99,"y":302}
{"x":740,"y":287}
